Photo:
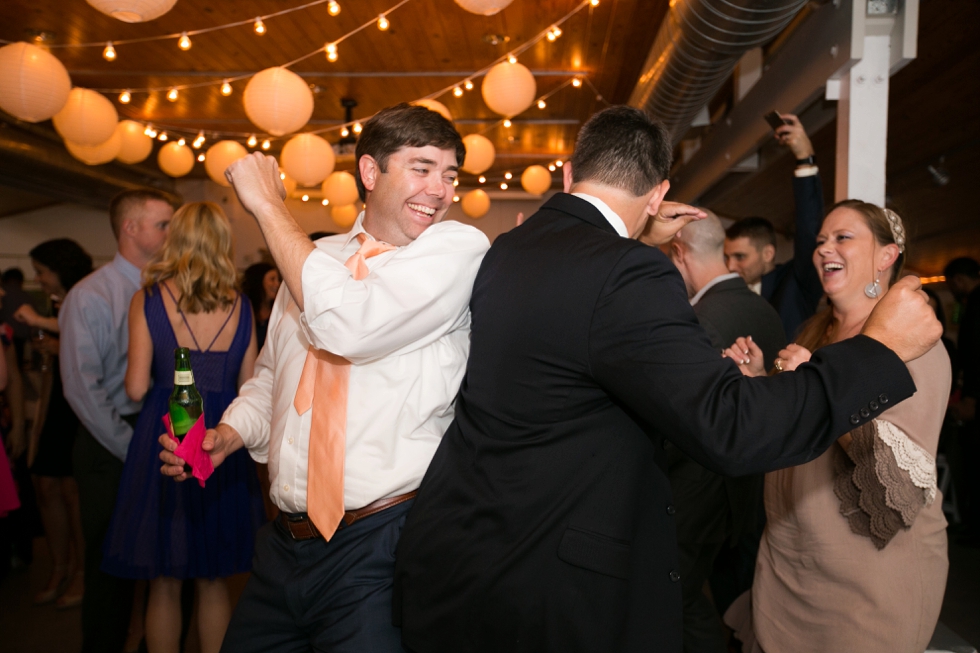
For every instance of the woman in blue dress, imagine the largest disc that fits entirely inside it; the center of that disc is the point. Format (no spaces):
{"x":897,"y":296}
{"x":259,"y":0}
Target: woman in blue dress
{"x":161,"y":530}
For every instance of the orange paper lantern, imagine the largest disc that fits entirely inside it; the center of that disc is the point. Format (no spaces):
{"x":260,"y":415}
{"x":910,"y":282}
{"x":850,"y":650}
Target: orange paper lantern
{"x":34,"y":84}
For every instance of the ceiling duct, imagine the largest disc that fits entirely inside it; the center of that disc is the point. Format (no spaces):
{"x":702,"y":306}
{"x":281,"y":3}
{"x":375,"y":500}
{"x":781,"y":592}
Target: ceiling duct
{"x":696,"y":49}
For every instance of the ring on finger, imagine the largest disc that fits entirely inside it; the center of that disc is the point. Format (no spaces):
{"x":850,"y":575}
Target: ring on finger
{"x":779,"y":364}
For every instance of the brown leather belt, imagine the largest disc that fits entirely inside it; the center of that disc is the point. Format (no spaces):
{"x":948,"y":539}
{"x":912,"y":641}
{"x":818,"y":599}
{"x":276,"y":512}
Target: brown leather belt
{"x":299,"y":526}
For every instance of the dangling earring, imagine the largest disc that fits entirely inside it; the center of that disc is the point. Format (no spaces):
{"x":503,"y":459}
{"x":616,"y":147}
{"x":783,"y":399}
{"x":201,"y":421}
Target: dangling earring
{"x":873,"y":289}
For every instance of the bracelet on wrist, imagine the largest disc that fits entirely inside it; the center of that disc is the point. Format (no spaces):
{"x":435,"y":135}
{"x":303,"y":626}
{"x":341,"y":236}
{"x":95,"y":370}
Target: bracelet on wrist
{"x":808,"y":161}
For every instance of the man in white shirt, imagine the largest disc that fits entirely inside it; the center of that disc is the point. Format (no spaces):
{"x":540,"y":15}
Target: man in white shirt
{"x":402,"y":322}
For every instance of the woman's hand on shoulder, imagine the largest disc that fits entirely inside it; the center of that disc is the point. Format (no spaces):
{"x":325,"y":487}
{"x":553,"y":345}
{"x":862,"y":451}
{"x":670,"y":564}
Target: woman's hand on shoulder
{"x":747,"y":356}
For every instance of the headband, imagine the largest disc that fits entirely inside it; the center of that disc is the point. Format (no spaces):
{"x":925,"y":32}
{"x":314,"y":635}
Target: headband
{"x":898,"y":230}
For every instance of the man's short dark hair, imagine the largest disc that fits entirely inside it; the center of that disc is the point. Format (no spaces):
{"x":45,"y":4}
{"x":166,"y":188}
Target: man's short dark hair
{"x":965,"y":266}
{"x":404,"y":125}
{"x":15,"y":275}
{"x":624,"y":148}
{"x":129,"y":200}
{"x":758,"y":230}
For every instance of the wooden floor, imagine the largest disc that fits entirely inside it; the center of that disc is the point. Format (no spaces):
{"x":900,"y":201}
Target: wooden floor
{"x":26,"y":628}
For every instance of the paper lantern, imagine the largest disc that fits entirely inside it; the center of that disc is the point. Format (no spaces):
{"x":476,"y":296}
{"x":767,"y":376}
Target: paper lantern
{"x":34,"y":84}
{"x":308,"y":159}
{"x":175,"y":159}
{"x":340,"y":188}
{"x":536,"y":180}
{"x":483,"y":7}
{"x":479,"y":154}
{"x":476,"y":203}
{"x":133,"y":11}
{"x":278,"y":101}
{"x":135,"y":144}
{"x":344,"y":216}
{"x":438,"y":107}
{"x":221,"y":155}
{"x":94,"y":155}
{"x":88,"y":118}
{"x":509,"y":88}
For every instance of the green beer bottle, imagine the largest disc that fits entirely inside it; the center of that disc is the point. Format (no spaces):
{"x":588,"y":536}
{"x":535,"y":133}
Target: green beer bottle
{"x":186,"y":404}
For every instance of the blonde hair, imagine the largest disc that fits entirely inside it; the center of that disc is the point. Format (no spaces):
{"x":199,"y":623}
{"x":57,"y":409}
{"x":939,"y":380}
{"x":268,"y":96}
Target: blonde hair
{"x":197,"y":258}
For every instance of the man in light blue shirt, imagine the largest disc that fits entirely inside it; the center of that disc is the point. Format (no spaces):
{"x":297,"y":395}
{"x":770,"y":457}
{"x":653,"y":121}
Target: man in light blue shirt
{"x":94,"y":344}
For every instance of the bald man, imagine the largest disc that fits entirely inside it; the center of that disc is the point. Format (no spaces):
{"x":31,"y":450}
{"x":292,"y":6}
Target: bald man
{"x":710,"y":509}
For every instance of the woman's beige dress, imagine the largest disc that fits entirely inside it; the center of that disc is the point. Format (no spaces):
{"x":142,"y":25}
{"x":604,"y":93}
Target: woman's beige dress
{"x":821,"y":587}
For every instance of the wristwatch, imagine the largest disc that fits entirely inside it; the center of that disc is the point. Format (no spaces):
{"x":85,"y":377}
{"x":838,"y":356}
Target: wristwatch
{"x":809,"y":161}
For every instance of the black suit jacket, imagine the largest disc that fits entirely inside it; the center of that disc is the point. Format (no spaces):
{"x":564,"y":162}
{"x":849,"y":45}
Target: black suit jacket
{"x":545,"y":522}
{"x":711,"y":508}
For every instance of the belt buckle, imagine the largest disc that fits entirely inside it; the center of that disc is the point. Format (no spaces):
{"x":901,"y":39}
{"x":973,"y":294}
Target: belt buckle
{"x":300,"y":529}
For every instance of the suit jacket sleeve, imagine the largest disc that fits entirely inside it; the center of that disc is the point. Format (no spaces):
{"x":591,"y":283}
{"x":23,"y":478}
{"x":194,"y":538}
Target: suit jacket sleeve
{"x":648,"y":352}
{"x":808,"y":195}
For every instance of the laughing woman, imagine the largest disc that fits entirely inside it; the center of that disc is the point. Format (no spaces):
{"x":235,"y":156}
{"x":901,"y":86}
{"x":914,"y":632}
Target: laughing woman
{"x":853,"y":557}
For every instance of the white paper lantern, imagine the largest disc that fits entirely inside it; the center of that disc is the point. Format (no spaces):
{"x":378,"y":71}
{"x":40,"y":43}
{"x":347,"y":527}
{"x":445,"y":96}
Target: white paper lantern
{"x":278,"y":101}
{"x":94,"y":155}
{"x":483,"y":7}
{"x":340,"y":188}
{"x":133,"y":11}
{"x":221,"y":155}
{"x":136,"y":145}
{"x":344,"y":216}
{"x":509,"y":88}
{"x":308,"y":159}
{"x":536,"y":180}
{"x":476,"y":203}
{"x":480,"y":154}
{"x":34,"y":84}
{"x":438,"y":107}
{"x":175,"y":159}
{"x":88,"y":118}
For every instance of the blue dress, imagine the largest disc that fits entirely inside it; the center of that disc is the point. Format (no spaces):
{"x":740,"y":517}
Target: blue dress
{"x":181,"y":530}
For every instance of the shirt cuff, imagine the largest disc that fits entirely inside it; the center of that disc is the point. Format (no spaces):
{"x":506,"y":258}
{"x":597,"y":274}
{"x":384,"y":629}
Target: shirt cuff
{"x":806,"y":171}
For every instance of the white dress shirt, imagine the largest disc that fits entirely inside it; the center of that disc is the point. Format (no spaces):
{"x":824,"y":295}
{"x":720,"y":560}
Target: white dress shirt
{"x":611,"y":216}
{"x":405,"y":329}
{"x":711,"y":284}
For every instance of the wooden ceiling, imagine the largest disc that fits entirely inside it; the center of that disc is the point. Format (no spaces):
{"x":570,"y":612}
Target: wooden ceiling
{"x":430,"y":45}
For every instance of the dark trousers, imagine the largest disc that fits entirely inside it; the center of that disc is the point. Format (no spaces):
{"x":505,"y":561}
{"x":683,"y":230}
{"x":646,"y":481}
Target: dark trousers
{"x":108,"y":600}
{"x":315,"y":595}
{"x":702,"y":624}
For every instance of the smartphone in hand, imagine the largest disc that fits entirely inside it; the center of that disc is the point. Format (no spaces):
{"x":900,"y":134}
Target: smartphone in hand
{"x":774,"y":120}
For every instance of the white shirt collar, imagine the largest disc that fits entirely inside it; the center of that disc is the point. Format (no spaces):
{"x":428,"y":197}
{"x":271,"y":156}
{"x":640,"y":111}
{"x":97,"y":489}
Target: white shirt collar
{"x":358,"y":228}
{"x":711,"y":284}
{"x":756,"y":287}
{"x":610,"y":215}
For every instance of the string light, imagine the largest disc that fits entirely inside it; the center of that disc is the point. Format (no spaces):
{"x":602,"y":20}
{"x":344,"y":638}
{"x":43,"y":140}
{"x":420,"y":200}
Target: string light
{"x":383,"y":23}
{"x":259,"y":27}
{"x":542,"y":104}
{"x":199,"y":141}
{"x":200,"y":157}
{"x":172,"y":94}
{"x":149,"y":131}
{"x":185,"y":42}
{"x":266,"y":144}
{"x":559,"y":163}
{"x":507,"y":122}
{"x":455,"y":198}
{"x":482,"y":179}
{"x":306,"y":198}
{"x":594,"y":3}
{"x":226,"y":88}
{"x":124,"y":97}
{"x":551,"y":167}
{"x":576,"y":82}
{"x":282,"y":175}
{"x":458,"y":92}
{"x":455,"y":182}
{"x":508,"y":176}
{"x":325,"y":202}
{"x":252,"y":141}
{"x":469,"y":85}
{"x":511,"y":58}
{"x":503,"y":185}
{"x":333,"y":8}
{"x":331,"y":49}
{"x":357,"y":128}
{"x":344,"y":133}
{"x":163,"y":136}
{"x":182,"y":142}
{"x":109,"y":54}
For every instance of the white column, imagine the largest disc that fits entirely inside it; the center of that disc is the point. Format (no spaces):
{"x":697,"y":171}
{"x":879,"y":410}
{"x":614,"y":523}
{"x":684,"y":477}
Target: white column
{"x":862,"y":125}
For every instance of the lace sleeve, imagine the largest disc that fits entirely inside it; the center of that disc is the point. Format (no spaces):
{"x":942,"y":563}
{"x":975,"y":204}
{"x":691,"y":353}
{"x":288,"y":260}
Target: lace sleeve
{"x":882,"y":481}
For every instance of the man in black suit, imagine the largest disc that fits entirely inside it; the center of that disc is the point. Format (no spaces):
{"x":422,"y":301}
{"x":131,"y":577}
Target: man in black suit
{"x":711,"y":509}
{"x":545,"y":520}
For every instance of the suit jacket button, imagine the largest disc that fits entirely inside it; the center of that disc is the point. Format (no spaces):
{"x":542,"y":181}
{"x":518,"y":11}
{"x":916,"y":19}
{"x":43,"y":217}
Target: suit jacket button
{"x":873,"y":405}
{"x":855,"y":419}
{"x":674,"y":576}
{"x":865,"y":413}
{"x":883,"y":398}
{"x":671,"y":510}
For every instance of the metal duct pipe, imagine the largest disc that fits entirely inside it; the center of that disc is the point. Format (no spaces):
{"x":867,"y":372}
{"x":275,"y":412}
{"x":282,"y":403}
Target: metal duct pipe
{"x":696,"y":49}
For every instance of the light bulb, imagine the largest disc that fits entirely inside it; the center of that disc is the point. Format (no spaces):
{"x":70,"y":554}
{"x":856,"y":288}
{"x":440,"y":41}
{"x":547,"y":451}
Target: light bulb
{"x":542,"y":104}
{"x":559,"y":163}
{"x":331,"y":49}
{"x":455,"y":198}
{"x":124,"y":97}
{"x":594,"y":3}
{"x":556,"y":31}
{"x":383,"y":23}
{"x":306,"y":198}
{"x":266,"y":144}
{"x":576,"y":82}
{"x":357,"y":128}
{"x":503,"y":185}
{"x":468,"y":85}
{"x":325,"y":202}
{"x":259,"y":27}
{"x":252,"y":141}
{"x":110,"y":52}
{"x":282,"y":175}
{"x":344,"y":133}
{"x":507,"y":122}
{"x":149,"y":131}
{"x":182,"y":142}
{"x":200,"y":157}
{"x":185,"y":42}
{"x":199,"y":141}
{"x":226,"y":88}
{"x":172,"y":94}
{"x":511,"y":58}
{"x":332,"y":56}
{"x":551,"y":167}
{"x":482,"y":179}
{"x":508,"y":176}
{"x":163,"y":136}
{"x":333,"y":7}
{"x":551,"y":36}
{"x":455,"y":183}
{"x":458,"y":92}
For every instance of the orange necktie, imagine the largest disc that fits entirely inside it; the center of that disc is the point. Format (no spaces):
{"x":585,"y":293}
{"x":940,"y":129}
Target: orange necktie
{"x":325,"y":378}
